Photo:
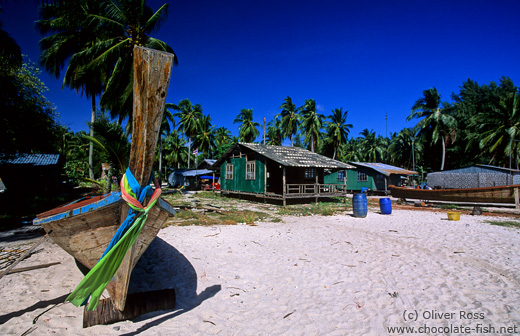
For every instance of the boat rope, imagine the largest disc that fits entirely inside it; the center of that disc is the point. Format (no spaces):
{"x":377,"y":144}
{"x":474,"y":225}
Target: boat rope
{"x":95,"y":282}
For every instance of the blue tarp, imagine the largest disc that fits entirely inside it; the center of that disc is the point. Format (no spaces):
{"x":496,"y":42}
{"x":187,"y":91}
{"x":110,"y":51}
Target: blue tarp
{"x":178,"y":177}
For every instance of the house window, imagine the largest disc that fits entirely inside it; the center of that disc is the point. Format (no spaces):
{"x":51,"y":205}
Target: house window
{"x":362,"y":177}
{"x":309,"y":173}
{"x":250,"y":170}
{"x":341,"y":175}
{"x":229,"y":171}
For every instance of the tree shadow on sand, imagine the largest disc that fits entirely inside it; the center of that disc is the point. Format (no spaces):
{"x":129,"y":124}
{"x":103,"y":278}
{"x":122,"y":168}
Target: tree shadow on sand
{"x":162,"y":266}
{"x":37,"y":305}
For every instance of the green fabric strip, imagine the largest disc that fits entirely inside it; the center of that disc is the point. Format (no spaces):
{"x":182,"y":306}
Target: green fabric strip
{"x":95,"y":282}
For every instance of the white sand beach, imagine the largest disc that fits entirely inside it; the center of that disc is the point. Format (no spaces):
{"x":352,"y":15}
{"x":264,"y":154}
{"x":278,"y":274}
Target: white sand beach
{"x":335,"y":275}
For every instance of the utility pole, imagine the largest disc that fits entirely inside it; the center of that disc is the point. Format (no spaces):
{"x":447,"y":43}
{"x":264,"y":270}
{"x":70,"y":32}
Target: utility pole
{"x":264,"y":130}
{"x":386,"y":125}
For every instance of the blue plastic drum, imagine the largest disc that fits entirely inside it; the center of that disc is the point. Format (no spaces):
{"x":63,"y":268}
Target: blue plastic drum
{"x":385,"y":204}
{"x":359,"y":205}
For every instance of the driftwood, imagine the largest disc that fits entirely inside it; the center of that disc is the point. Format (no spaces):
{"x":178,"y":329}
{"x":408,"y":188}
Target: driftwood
{"x":30,"y":268}
{"x":137,"y":304}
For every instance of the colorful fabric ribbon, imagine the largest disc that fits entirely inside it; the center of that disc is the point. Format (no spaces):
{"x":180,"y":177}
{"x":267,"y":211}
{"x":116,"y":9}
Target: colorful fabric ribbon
{"x":95,"y":282}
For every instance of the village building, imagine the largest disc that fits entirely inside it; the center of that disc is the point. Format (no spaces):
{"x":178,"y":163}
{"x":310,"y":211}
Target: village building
{"x":277,"y":172}
{"x":373,"y":177}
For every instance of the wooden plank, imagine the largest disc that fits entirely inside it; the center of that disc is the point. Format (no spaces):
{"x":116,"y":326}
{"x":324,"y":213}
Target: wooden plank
{"x":22,"y":257}
{"x":137,"y":304}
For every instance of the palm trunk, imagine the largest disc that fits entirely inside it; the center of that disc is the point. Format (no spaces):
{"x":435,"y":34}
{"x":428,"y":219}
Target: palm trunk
{"x":189,"y":151}
{"x":91,"y":146}
{"x":443,"y":153}
{"x":160,"y":160}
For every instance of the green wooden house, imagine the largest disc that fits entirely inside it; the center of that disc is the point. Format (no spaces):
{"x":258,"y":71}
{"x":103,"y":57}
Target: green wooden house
{"x":376,"y":177}
{"x":277,"y":172}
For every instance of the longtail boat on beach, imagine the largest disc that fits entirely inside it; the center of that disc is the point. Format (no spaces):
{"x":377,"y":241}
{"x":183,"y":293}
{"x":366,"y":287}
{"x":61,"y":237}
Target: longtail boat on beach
{"x":507,"y":194}
{"x":85,"y":228}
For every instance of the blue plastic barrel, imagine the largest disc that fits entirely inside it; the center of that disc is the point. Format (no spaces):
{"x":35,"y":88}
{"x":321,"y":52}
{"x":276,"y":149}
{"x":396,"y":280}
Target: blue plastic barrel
{"x":385,"y":204}
{"x":359,"y":205}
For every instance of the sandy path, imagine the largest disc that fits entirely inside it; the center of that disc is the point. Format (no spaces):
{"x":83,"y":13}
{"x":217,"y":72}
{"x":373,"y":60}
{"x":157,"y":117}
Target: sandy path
{"x":335,"y":275}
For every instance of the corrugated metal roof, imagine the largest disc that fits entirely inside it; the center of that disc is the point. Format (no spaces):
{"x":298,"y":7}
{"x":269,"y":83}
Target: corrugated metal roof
{"x":207,"y":161}
{"x":499,"y":168}
{"x":290,"y":156}
{"x":385,"y":169}
{"x":32,"y":159}
{"x":475,"y":168}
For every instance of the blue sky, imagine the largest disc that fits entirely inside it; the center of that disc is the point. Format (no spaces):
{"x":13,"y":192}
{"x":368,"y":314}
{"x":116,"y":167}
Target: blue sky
{"x":372,"y":58}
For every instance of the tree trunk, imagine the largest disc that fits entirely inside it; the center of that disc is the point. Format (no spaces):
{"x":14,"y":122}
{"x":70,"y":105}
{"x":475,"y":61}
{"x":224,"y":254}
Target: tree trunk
{"x":91,"y":146}
{"x":443,"y":153}
{"x":160,"y":159}
{"x":189,"y":151}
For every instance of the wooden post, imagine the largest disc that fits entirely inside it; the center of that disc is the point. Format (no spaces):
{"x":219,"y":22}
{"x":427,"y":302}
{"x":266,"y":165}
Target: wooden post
{"x":517,"y":203}
{"x":283,"y":182}
{"x":265,"y":177}
{"x":317,"y":189}
{"x":345,"y":186}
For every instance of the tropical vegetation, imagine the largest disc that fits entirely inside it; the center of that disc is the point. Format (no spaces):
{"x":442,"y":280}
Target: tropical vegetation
{"x":91,"y":42}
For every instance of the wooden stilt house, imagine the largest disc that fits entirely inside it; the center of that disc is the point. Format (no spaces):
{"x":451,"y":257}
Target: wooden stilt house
{"x":277,"y":172}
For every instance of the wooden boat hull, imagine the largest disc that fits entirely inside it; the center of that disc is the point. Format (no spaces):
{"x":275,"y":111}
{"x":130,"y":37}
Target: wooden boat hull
{"x":84,"y":231}
{"x":498,"y":194}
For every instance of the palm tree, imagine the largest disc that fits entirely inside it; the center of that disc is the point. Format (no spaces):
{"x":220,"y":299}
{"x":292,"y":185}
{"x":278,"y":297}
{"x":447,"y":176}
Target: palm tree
{"x":274,"y":132}
{"x":352,"y":151}
{"x":72,"y":33}
{"x":222,"y":137}
{"x":113,"y":142}
{"x":164,"y":130}
{"x":337,"y":129}
{"x":96,"y":39}
{"x":436,"y":121}
{"x":372,"y":146}
{"x":128,"y":23}
{"x":248,"y":128}
{"x":290,"y":119}
{"x":176,"y":152}
{"x":311,"y":123}
{"x":189,"y":122}
{"x":205,"y":139}
{"x":401,"y":147}
{"x":499,"y":127}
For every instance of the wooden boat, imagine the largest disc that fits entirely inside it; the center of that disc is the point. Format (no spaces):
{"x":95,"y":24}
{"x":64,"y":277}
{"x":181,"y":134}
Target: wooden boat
{"x":85,"y":228}
{"x":499,"y":194}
